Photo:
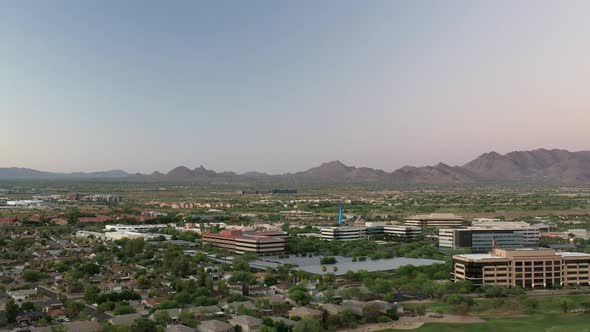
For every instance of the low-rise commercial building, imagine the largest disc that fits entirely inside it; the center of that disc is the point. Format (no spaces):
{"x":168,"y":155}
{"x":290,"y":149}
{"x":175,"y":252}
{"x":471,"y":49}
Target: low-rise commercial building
{"x":136,"y":228}
{"x":527,"y":268}
{"x":404,"y":231}
{"x":344,"y":233}
{"x":481,"y":238}
{"x":435,"y":220}
{"x":239,"y":242}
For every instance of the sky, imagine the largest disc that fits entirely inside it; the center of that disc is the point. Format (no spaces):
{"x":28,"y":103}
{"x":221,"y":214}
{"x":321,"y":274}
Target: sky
{"x":282,"y":86}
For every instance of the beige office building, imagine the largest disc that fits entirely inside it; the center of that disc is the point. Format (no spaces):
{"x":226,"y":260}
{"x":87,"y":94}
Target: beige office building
{"x":528,"y":268}
{"x":239,"y":242}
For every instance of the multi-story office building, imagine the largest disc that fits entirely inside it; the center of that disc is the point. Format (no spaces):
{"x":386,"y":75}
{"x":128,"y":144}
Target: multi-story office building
{"x":402,"y":231}
{"x":239,"y":242}
{"x":482,"y":239}
{"x":344,"y":233}
{"x":530,"y":233}
{"x":528,"y":268}
{"x":136,"y":228}
{"x":436,"y":220}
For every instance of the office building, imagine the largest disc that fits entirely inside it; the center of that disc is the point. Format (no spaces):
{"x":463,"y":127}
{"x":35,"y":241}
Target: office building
{"x":527,"y":268}
{"x":404,"y":231}
{"x":481,"y":239}
{"x":136,"y":228}
{"x":240,"y":242}
{"x":344,"y":233}
{"x":435,"y":220}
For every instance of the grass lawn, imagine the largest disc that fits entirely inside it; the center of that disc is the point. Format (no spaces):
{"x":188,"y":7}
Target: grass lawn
{"x":537,"y":323}
{"x":548,"y":316}
{"x":548,"y":323}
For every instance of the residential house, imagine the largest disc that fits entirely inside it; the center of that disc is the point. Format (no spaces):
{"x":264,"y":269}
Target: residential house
{"x":174,"y":314}
{"x":282,"y":288}
{"x":22,"y":295}
{"x":234,"y":307}
{"x":214,"y":326}
{"x":247,"y":323}
{"x":124,"y":320}
{"x":303,"y":312}
{"x":85,"y":325}
{"x":179,"y":328}
{"x":28,"y":318}
{"x":58,"y":313}
{"x":153,"y":301}
{"x":206,"y":312}
{"x":288,"y":323}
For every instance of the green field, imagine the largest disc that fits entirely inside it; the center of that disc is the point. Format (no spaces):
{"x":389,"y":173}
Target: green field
{"x":547,"y":323}
{"x":547,"y":317}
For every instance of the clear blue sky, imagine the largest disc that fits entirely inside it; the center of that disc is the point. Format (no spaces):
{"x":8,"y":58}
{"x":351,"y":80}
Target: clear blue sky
{"x":281,"y":86}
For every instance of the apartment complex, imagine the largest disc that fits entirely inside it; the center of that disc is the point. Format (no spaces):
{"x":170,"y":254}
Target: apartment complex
{"x":528,"y":268}
{"x":435,"y":220}
{"x":482,"y":239}
{"x":240,"y":242}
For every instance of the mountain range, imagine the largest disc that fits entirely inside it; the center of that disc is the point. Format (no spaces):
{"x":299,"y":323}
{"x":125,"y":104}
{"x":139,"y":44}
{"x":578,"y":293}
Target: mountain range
{"x":556,"y":166}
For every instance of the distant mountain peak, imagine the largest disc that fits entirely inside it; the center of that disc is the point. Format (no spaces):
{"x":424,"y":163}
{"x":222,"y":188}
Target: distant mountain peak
{"x":540,"y":165}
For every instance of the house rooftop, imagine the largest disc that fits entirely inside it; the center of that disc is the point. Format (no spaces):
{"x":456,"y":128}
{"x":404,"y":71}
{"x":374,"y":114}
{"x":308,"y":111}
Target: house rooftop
{"x":246,"y":320}
{"x":214,"y":325}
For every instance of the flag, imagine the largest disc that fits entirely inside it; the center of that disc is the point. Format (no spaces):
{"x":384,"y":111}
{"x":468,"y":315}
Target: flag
{"x":494,"y":242}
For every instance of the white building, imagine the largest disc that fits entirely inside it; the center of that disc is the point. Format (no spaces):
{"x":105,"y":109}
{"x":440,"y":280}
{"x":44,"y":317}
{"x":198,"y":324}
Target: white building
{"x":136,"y":228}
{"x":344,"y":233}
{"x":26,"y":203}
{"x":402,"y":231}
{"x":435,"y":220}
{"x":508,"y":235}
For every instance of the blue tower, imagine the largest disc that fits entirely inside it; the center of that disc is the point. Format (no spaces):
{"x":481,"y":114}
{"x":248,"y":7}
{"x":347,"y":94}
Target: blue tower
{"x":340,"y":215}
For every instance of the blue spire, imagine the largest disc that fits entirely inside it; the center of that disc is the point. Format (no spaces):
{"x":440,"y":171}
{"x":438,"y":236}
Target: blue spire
{"x":340,"y":215}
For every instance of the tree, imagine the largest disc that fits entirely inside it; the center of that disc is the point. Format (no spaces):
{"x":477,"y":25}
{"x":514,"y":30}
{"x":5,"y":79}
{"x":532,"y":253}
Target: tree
{"x":162,"y":317}
{"x":308,"y":324}
{"x":91,"y":294}
{"x":328,"y":260}
{"x":91,"y":269}
{"x":392,"y":313}
{"x":532,"y":304}
{"x":33,"y":276}
{"x":371,"y":312}
{"x":565,"y":306}
{"x":188,"y":318}
{"x":265,"y":328}
{"x":299,"y":295}
{"x":27,"y":306}
{"x":12,"y":311}
{"x":143,"y":282}
{"x":124,"y":310}
{"x":335,"y":269}
{"x":143,"y":325}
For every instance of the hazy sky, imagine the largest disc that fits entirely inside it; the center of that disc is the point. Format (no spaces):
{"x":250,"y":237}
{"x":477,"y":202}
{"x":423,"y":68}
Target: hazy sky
{"x":281,"y":86}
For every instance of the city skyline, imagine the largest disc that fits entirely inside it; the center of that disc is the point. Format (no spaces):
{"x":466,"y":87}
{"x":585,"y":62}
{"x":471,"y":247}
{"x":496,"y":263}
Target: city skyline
{"x":281,"y":87}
